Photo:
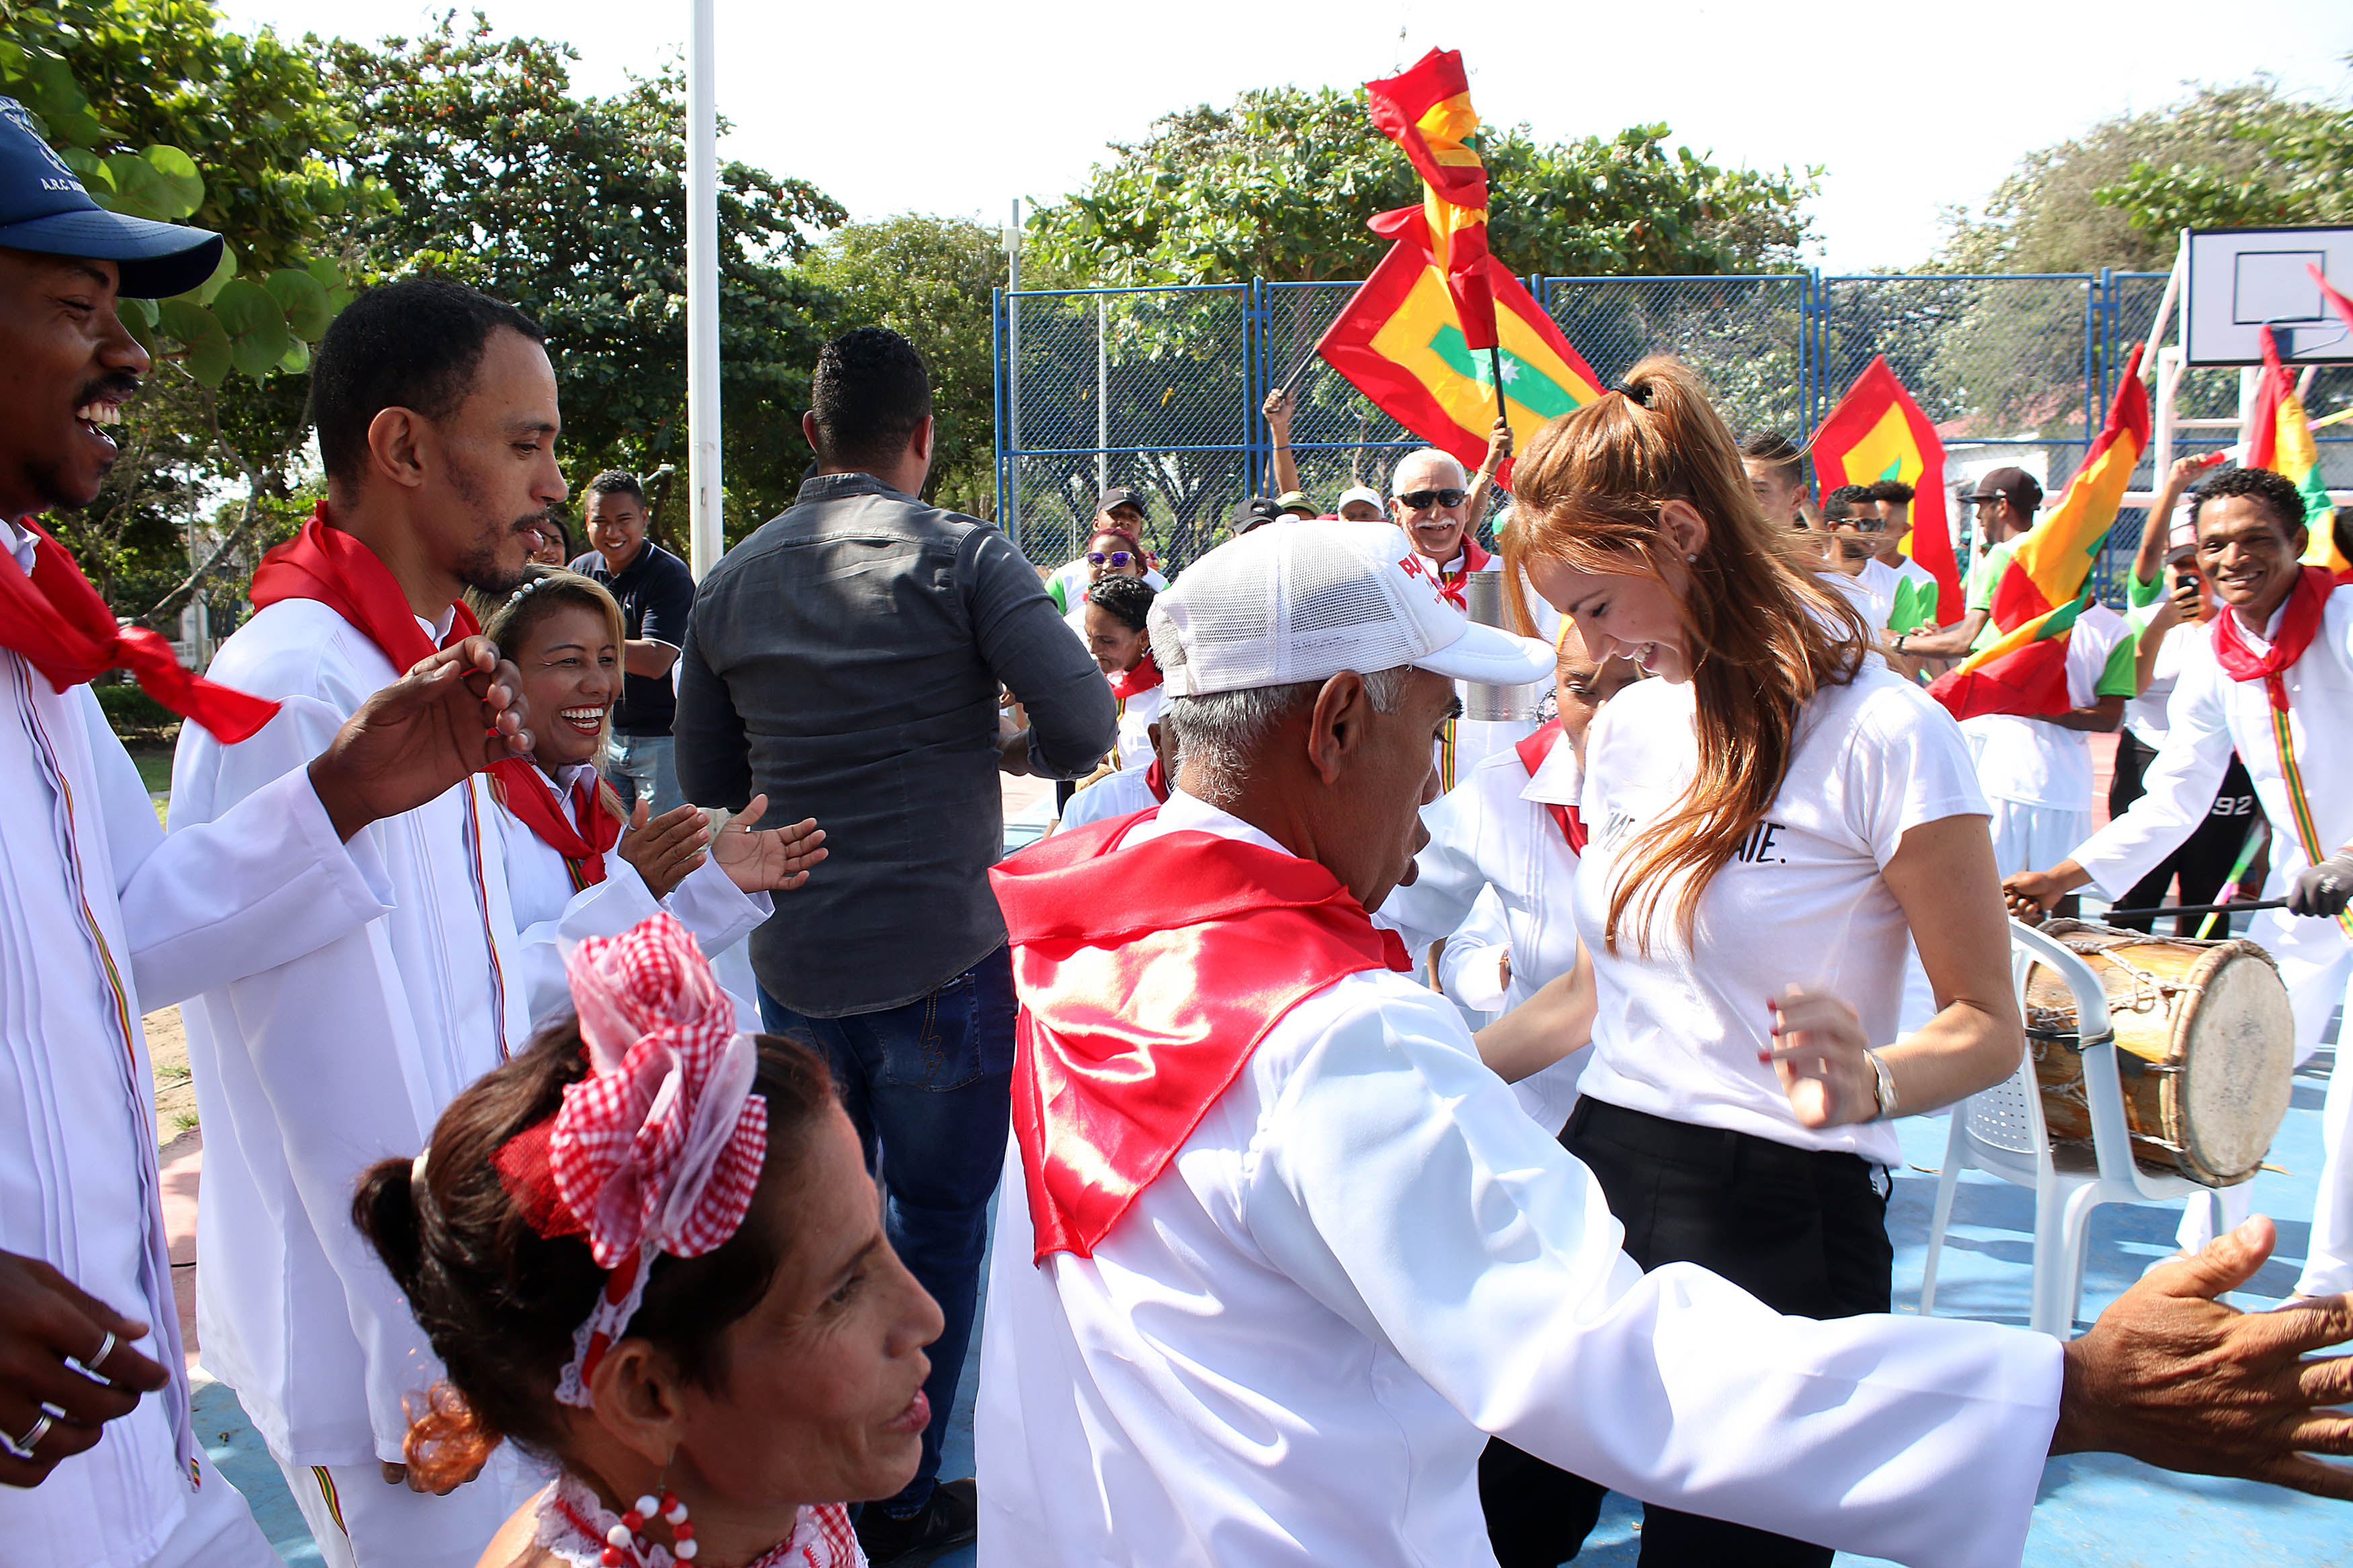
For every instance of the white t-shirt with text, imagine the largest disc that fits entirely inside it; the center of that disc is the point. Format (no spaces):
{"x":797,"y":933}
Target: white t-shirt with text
{"x":1803,"y":902}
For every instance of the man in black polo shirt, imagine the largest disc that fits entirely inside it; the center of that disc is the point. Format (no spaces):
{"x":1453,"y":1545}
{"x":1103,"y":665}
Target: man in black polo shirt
{"x":657,"y":593}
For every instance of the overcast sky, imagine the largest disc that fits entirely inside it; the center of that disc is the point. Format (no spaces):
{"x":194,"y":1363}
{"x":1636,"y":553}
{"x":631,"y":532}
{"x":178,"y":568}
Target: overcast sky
{"x":959,"y":108}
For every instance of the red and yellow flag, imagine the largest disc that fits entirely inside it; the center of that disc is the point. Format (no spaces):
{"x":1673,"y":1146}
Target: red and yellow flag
{"x":1877,"y":432}
{"x":2043,"y":587}
{"x":1427,"y":111}
{"x":1400,"y":343}
{"x":2281,"y":440}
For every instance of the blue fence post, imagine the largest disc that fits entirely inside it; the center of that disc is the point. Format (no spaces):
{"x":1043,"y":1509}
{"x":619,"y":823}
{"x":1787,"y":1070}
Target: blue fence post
{"x":1005,"y":521}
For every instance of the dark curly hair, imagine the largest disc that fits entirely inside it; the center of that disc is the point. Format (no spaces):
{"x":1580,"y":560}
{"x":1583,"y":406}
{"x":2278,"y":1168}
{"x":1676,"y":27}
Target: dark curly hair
{"x":411,"y":344}
{"x":2276,"y":492}
{"x":1841,"y":503}
{"x":867,"y":395}
{"x":501,"y":1302}
{"x":1129,"y":599}
{"x":1893,"y":489}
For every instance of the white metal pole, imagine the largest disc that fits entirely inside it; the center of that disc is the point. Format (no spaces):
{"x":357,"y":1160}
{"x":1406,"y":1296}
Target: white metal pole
{"x":1102,"y":395}
{"x":1011,"y":521}
{"x":707,"y":539}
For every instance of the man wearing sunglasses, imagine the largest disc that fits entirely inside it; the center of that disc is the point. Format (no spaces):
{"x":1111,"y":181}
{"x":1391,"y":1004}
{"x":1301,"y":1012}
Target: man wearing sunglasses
{"x":1427,"y":497}
{"x":1120,"y":510}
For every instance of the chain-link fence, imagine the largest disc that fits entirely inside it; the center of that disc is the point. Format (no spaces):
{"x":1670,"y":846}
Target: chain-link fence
{"x":1160,"y":389}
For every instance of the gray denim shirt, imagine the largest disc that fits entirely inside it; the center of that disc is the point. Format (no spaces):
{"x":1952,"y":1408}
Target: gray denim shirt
{"x":845,"y":661}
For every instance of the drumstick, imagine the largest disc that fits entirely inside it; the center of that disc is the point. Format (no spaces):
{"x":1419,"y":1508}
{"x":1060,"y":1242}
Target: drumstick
{"x":2199,"y":909}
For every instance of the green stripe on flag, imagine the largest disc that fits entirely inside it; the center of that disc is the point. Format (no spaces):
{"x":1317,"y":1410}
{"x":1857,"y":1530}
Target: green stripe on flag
{"x":1529,"y":387}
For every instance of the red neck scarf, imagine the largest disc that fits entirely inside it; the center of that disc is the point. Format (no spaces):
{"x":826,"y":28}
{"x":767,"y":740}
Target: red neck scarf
{"x":325,"y":563}
{"x":1135,"y":682}
{"x":2306,"y":602}
{"x":1451,"y":580}
{"x":582,"y":837}
{"x":1533,"y":753}
{"x":1148,"y":977}
{"x":1156,"y":779}
{"x":56,"y":622}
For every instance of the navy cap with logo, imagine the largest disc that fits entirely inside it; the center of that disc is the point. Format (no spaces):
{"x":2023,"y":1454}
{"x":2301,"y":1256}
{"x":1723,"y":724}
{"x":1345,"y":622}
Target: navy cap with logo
{"x":44,"y":208}
{"x":1116,"y":497}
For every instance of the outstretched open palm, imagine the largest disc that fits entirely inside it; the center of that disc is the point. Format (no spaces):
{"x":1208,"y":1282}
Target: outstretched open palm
{"x":768,"y":860}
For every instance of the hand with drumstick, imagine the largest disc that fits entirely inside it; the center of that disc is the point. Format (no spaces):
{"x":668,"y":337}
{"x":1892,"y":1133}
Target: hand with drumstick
{"x":67,"y":1368}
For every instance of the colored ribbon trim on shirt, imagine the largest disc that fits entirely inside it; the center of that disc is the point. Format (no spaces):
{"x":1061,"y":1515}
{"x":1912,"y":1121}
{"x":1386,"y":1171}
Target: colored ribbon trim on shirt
{"x":1149,"y":975}
{"x":2305,"y":604}
{"x":56,"y":622}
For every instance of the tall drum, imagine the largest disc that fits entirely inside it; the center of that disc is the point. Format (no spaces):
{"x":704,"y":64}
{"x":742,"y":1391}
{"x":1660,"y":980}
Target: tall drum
{"x":2205,"y":1047}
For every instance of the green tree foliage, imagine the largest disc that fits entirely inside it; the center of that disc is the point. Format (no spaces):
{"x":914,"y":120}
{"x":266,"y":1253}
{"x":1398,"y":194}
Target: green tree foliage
{"x":2275,"y":160}
{"x":1280,"y":183}
{"x":929,"y":278}
{"x":2058,"y":211}
{"x":165,"y":116}
{"x":574,"y":209}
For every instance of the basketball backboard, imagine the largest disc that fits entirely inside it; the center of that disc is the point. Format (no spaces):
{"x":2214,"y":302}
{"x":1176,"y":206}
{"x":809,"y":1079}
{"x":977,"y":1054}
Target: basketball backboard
{"x":2242,"y":280}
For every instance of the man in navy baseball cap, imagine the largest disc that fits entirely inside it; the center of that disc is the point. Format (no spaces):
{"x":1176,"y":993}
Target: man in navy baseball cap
{"x":45,"y":209}
{"x":64,"y":262}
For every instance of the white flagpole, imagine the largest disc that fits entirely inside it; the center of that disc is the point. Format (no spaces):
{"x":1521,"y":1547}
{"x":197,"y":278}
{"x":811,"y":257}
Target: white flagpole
{"x":706,"y":538}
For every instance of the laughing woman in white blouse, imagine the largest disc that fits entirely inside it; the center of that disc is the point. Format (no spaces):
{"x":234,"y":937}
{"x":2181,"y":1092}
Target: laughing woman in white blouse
{"x":1771,"y":820}
{"x":573,"y":868}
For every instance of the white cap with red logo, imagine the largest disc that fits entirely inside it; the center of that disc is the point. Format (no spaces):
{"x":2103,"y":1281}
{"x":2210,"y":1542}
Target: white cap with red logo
{"x":1283,"y":606}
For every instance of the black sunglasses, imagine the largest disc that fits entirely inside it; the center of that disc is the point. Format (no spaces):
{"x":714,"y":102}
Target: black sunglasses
{"x":1422,"y":501}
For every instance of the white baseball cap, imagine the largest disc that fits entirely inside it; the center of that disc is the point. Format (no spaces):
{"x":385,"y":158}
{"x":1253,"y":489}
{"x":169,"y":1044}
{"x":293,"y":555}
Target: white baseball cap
{"x":1364,"y":493}
{"x":1283,"y":606}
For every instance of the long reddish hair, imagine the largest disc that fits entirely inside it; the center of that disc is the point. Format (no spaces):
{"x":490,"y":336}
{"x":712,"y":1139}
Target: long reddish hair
{"x":1762,"y":633}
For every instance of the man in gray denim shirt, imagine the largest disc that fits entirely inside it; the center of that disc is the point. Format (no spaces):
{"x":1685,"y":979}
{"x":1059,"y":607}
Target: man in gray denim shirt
{"x":845,"y":660}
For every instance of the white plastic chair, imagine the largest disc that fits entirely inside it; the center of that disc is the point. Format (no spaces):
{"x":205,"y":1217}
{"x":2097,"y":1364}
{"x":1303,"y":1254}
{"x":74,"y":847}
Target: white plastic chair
{"x":2000,"y":1131}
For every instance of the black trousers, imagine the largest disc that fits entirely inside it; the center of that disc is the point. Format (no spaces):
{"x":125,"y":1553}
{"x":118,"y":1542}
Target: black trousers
{"x":1803,"y":1231}
{"x":2205,"y":857}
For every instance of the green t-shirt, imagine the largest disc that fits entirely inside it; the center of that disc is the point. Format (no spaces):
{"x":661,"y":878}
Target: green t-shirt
{"x":2120,"y":677}
{"x":1979,"y":591}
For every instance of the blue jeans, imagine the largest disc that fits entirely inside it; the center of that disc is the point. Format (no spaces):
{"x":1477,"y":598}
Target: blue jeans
{"x":928,"y":1086}
{"x":643,"y":767}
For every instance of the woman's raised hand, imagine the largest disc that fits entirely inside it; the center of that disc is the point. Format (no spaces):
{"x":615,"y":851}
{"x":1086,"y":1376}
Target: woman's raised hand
{"x":666,"y":849}
{"x":1818,"y":1053}
{"x":773,"y":859}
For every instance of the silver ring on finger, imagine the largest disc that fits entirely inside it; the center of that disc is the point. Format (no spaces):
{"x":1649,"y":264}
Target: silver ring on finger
{"x":23,"y":1447}
{"x":90,"y":1363}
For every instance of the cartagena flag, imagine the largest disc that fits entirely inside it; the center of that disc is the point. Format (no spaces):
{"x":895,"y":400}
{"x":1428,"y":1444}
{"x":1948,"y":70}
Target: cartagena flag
{"x":1427,"y":112}
{"x":2045,"y":584}
{"x":1400,"y":343}
{"x":1875,"y":433}
{"x":2281,"y":440}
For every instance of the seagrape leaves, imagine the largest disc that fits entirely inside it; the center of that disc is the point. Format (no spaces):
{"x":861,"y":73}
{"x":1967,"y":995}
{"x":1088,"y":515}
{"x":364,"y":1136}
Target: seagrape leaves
{"x":256,"y":329}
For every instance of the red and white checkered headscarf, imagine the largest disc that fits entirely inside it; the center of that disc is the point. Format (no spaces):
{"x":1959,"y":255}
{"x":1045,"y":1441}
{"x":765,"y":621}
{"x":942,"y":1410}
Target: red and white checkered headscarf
{"x":658,"y":1149}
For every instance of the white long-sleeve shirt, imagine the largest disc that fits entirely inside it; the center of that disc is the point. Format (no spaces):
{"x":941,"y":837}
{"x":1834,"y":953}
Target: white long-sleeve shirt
{"x":2209,"y":716}
{"x":101,"y":918}
{"x":308,"y":1073}
{"x":552,"y":915}
{"x":1290,"y":1349}
{"x":1493,"y":831}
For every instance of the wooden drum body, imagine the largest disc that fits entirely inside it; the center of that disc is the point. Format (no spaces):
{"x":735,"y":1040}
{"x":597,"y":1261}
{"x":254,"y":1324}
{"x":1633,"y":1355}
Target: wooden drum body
{"x":2205,"y":1047}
